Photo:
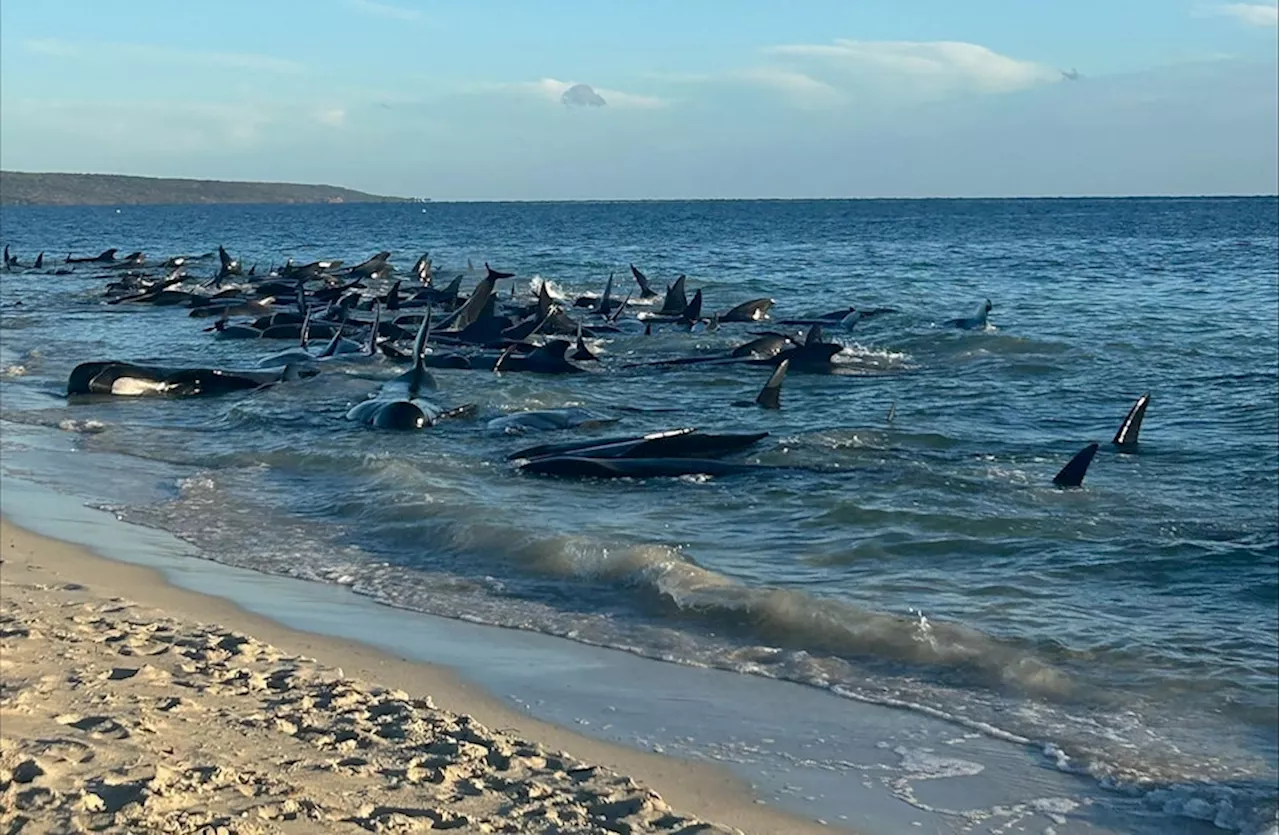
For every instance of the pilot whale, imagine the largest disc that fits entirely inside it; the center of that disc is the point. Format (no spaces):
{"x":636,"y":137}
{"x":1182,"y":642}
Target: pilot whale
{"x":127,"y":379}
{"x":1126,"y":439}
{"x":977,"y":321}
{"x":401,"y":404}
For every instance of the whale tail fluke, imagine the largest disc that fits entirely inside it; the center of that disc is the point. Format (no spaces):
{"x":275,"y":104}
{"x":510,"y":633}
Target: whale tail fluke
{"x":1072,"y":475}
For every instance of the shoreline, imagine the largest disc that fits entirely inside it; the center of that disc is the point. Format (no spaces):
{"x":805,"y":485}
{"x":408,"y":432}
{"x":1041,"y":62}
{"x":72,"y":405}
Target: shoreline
{"x":799,"y":754}
{"x":72,"y":575}
{"x":57,"y":571}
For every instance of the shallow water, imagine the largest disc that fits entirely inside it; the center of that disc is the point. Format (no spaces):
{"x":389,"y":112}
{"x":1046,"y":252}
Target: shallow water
{"x":1130,"y":625}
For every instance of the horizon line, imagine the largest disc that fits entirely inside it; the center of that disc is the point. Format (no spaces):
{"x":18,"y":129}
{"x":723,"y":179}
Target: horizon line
{"x":424,"y":200}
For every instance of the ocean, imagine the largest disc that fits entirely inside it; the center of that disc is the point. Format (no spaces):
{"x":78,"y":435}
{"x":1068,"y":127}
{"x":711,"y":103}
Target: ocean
{"x":1128,"y":630}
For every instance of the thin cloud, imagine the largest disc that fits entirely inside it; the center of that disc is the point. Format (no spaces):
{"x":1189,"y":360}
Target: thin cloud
{"x":334,"y":117}
{"x":1250,"y":14}
{"x":831,"y":75}
{"x":796,"y":87}
{"x":920,"y":66}
{"x":800,"y":88}
{"x":51,"y":46}
{"x":578,"y":94}
{"x":386,"y":10}
{"x":253,"y":62}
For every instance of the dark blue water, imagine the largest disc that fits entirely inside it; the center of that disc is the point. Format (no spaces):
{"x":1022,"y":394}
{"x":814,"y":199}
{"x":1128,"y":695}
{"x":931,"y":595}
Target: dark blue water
{"x":1129,"y":626}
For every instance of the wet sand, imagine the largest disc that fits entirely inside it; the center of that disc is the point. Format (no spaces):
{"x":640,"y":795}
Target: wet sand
{"x":130,"y":703}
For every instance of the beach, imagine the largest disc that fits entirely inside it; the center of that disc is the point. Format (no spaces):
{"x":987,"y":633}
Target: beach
{"x":127,"y":705}
{"x":892,"y":621}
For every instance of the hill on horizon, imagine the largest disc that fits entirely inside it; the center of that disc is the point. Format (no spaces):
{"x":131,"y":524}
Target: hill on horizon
{"x":20,"y":188}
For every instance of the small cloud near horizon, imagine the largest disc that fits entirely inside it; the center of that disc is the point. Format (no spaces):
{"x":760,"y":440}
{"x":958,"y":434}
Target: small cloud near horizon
{"x":575,"y":94}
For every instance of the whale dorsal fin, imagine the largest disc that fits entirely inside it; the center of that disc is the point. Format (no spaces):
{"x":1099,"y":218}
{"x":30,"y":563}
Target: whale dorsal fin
{"x":1127,"y":434}
{"x":544,"y":301}
{"x":1072,"y":475}
{"x":693,"y":310}
{"x":305,"y":332}
{"x":603,"y":306}
{"x":675,"y":301}
{"x":770,"y":397}
{"x":420,"y":377}
{"x":371,"y":346}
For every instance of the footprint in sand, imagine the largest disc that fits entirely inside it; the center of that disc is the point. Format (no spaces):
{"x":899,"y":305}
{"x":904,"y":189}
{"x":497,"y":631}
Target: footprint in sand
{"x":62,"y":749}
{"x":103,"y":726}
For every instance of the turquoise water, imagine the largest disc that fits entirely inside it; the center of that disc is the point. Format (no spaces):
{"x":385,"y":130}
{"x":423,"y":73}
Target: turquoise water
{"x":1127,"y":630}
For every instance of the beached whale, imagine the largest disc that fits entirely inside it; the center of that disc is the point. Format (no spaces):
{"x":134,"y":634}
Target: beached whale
{"x":401,"y":403}
{"x":547,"y":420}
{"x":671,"y":443}
{"x":127,"y":379}
{"x":578,"y":467}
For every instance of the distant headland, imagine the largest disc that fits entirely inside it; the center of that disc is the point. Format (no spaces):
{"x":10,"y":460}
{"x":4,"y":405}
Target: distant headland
{"x":18,"y":188}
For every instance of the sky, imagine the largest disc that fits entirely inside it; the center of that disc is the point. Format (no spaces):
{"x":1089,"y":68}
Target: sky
{"x":663,"y":99}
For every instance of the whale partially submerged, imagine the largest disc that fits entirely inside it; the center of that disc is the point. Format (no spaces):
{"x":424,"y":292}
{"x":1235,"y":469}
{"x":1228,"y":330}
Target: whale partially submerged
{"x":127,"y":379}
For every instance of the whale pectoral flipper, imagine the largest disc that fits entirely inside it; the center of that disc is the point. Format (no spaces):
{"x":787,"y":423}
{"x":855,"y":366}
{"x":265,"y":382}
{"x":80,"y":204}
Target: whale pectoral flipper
{"x":1072,"y":475}
{"x":1127,"y":435}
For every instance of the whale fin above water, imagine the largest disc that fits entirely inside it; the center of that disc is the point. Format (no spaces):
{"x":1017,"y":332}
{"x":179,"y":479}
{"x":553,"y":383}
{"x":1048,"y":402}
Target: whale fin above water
{"x":602,"y":307}
{"x":675,"y":302}
{"x":1072,"y":475}
{"x":693,"y":310}
{"x":419,"y":376}
{"x":582,"y":352}
{"x":371,"y":347}
{"x":646,"y":292}
{"x":474,"y":308}
{"x":1127,"y":435}
{"x":770,"y":397}
{"x":544,"y":301}
{"x":490,"y":272}
{"x":614,"y":316}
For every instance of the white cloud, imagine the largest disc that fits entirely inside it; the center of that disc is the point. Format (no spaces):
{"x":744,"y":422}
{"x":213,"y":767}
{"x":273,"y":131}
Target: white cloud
{"x":386,"y":10}
{"x":1250,"y":14}
{"x":617,"y":98}
{"x":334,"y":117}
{"x":553,"y":90}
{"x":51,"y":46}
{"x":929,"y":67}
{"x":798,"y":88}
{"x":802,"y":89}
{"x":114,"y":51}
{"x":824,"y":76}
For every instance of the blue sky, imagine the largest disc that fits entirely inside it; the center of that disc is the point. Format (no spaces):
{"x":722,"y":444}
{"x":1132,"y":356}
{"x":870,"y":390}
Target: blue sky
{"x":687,"y":98}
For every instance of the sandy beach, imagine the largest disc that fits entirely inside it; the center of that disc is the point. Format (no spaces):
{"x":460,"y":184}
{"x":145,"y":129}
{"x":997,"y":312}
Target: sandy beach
{"x":131,"y":705}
